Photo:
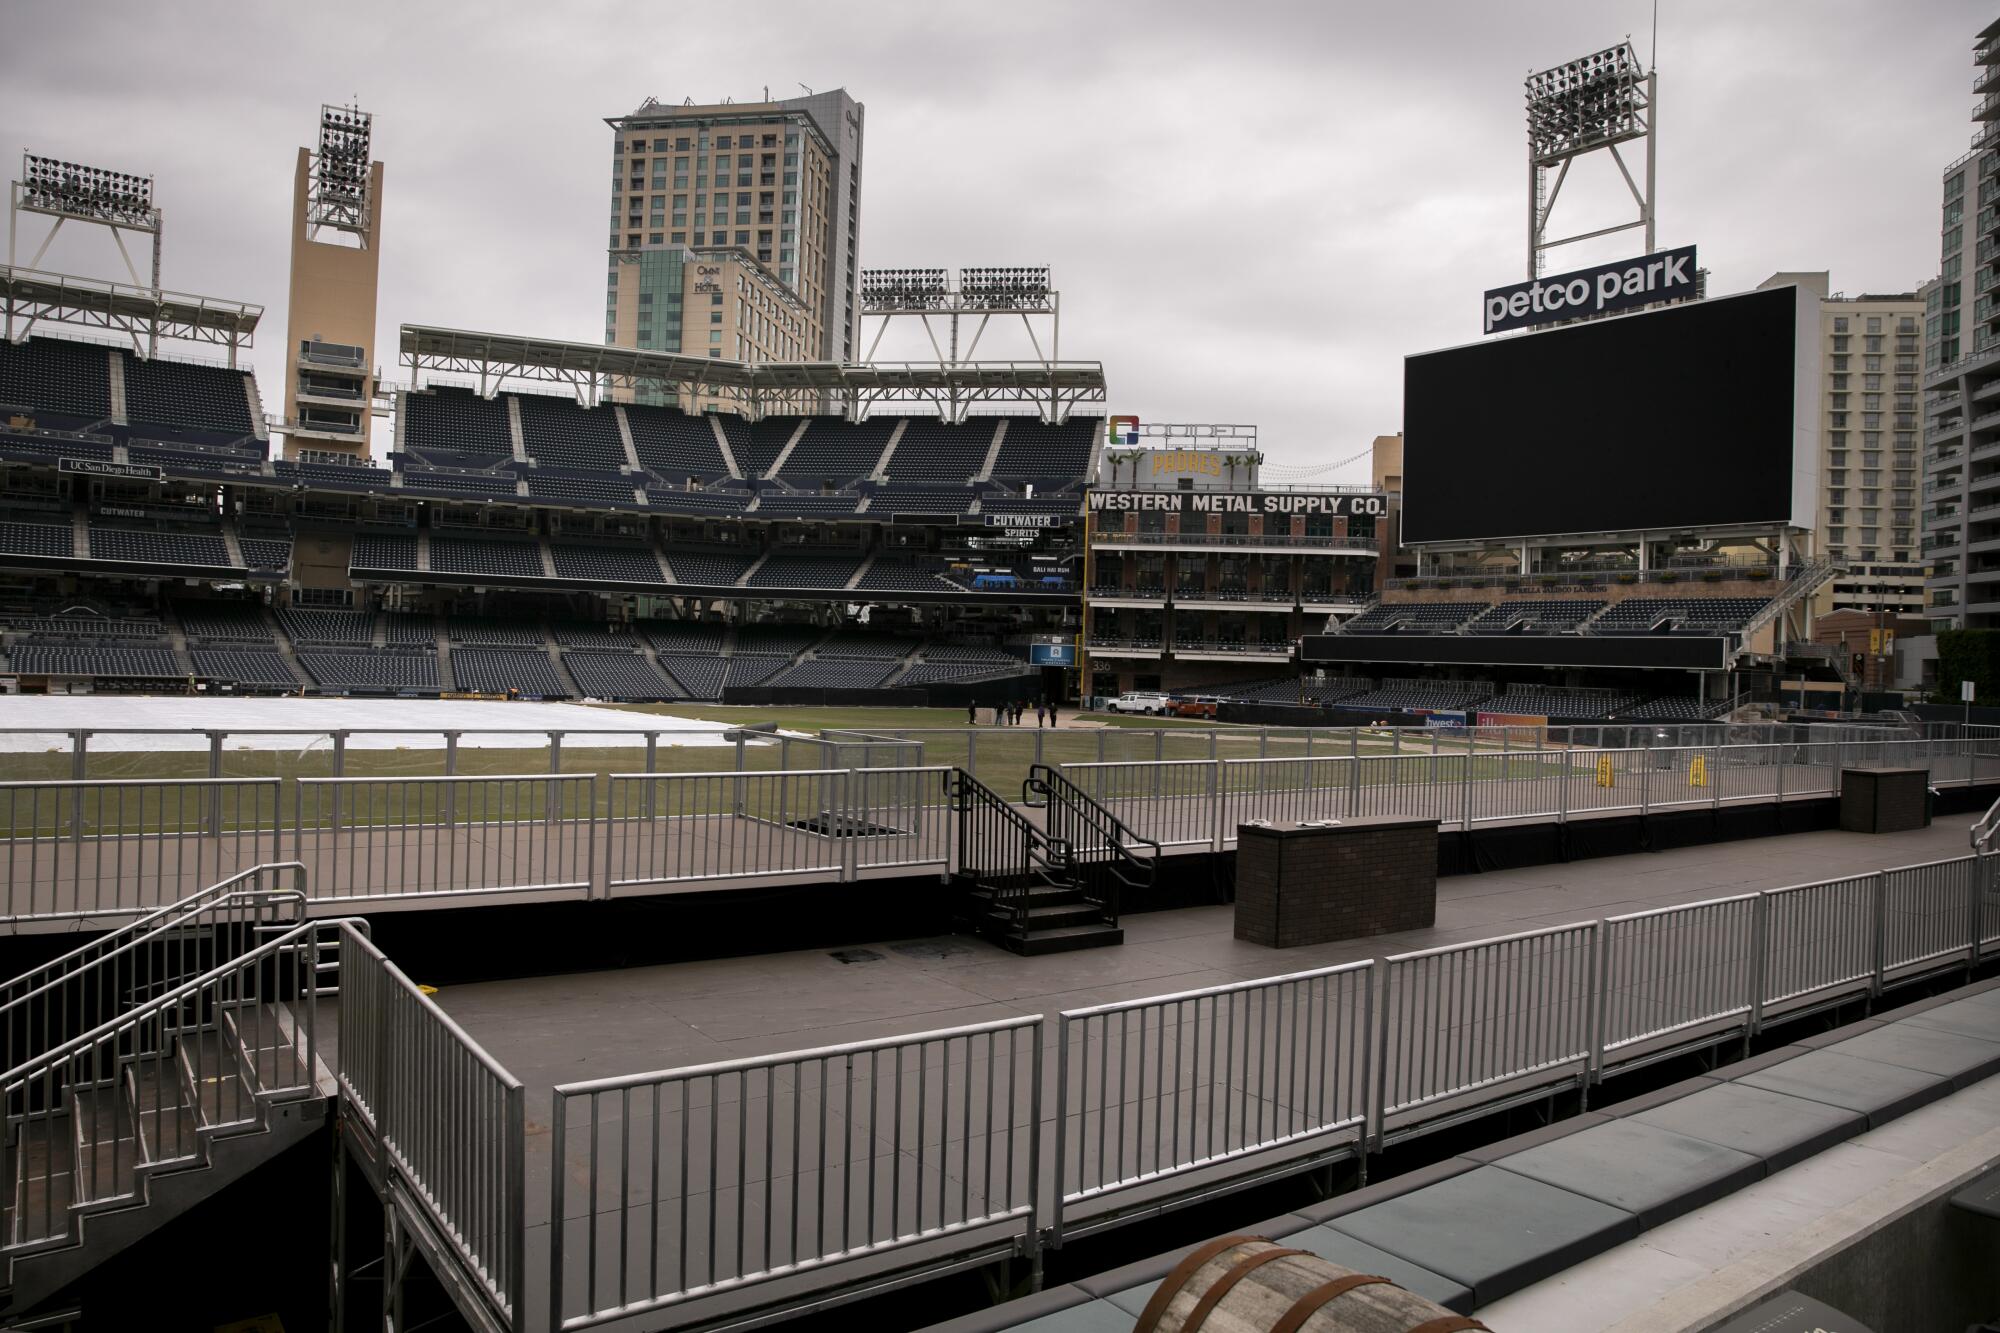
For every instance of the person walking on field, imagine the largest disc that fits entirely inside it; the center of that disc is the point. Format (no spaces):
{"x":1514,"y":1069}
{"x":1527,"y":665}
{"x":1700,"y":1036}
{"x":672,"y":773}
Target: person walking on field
{"x":1041,"y":714}
{"x":1052,"y":712}
{"x":971,"y":713}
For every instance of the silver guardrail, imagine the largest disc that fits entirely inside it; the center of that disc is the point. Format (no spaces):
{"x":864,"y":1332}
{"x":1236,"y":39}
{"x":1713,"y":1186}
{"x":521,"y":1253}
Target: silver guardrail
{"x":103,"y":848}
{"x":374,"y":840}
{"x":450,"y":1119}
{"x":722,"y":1176}
{"x":197,"y":1060}
{"x":1148,"y":1090}
{"x":41,"y":1006}
{"x":111,"y":847}
{"x":716,"y":1178}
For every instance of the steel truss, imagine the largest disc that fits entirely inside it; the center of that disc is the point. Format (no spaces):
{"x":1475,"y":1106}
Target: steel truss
{"x":756,"y":388}
{"x":143,"y":315}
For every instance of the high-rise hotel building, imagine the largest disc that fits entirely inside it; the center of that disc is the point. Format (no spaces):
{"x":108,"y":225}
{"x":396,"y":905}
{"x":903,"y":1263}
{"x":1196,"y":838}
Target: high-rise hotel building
{"x":1961,"y":509}
{"x":735,"y":229}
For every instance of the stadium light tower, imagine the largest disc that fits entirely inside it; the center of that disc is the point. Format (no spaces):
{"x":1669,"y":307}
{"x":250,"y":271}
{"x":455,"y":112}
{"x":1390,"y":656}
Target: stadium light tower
{"x":339,"y":193}
{"x":1581,"y":107}
{"x":71,"y":192}
{"x":330,"y":388}
{"x":979,"y":293}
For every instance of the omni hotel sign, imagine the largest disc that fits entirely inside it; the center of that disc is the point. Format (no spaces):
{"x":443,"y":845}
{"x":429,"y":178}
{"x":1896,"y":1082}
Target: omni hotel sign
{"x":1271,"y":504}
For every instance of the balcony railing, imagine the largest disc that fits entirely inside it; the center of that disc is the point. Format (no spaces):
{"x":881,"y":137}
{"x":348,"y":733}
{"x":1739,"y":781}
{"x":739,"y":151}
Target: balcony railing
{"x":1286,"y":540}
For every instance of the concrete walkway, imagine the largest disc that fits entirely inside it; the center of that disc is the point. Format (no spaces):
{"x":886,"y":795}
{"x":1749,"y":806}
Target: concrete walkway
{"x":586,"y":1025}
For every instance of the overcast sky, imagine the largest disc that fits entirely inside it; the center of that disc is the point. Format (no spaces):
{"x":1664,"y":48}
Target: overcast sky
{"x":1253,"y":211}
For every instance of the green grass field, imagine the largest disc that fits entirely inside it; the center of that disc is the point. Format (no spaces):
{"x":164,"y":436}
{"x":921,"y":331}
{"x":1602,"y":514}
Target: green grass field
{"x":998,"y":756}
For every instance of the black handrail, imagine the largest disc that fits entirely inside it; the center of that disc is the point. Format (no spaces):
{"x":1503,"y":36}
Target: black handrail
{"x":1101,"y":844}
{"x":1001,"y":851}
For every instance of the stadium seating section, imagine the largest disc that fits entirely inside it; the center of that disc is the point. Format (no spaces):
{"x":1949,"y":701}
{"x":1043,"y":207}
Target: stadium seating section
{"x":1694,"y":615}
{"x":836,"y":451}
{"x":619,"y":676}
{"x":594,"y":637}
{"x":223,"y":622}
{"x":317,"y":627}
{"x":373,"y":551}
{"x":498,"y":670}
{"x":178,"y":396}
{"x":371,"y":671}
{"x":673,"y":445}
{"x":834,"y":673}
{"x":921,"y":500}
{"x":495,"y":558}
{"x":776,"y":640}
{"x":698,"y":677}
{"x":56,"y":377}
{"x":34,"y":659}
{"x":747,"y":670}
{"x":1680,"y":709}
{"x":559,"y":431}
{"x":244,"y":666}
{"x":266,"y":552}
{"x":583,"y":492}
{"x":790,"y":569}
{"x":153,"y":547}
{"x":757,"y":444}
{"x":1558,"y":703}
{"x":896,"y":576}
{"x":490,"y":632}
{"x":457,"y":421}
{"x":677,"y":637}
{"x":786,"y":504}
{"x":1556,"y":617}
{"x":709,"y":569}
{"x":606,"y":564}
{"x":1414,"y":617}
{"x":1036,"y":451}
{"x":36,"y":539}
{"x":1446,"y":696}
{"x":404,"y":629}
{"x":932,"y":451}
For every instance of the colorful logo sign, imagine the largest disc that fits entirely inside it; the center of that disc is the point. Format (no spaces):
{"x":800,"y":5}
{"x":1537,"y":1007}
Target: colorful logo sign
{"x":1124,"y":430}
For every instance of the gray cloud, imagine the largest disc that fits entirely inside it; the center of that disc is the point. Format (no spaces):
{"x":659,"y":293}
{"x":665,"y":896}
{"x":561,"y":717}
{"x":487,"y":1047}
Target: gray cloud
{"x":1253,"y":212}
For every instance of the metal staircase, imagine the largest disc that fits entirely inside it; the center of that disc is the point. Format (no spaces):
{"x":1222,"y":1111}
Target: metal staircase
{"x":1022,"y":887}
{"x":155,"y":1065}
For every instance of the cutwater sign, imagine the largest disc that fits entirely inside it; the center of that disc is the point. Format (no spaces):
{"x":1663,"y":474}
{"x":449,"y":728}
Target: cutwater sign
{"x":1668,"y":275}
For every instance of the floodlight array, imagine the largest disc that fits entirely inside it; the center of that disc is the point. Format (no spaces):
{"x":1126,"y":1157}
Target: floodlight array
{"x":1584,"y":104}
{"x":341,"y":169}
{"x":1004,"y":287}
{"x":86,"y":192}
{"x":904,"y":288}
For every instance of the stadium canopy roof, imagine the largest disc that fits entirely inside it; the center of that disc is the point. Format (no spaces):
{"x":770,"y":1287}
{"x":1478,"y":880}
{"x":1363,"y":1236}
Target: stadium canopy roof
{"x":756,"y":387}
{"x":30,"y":296}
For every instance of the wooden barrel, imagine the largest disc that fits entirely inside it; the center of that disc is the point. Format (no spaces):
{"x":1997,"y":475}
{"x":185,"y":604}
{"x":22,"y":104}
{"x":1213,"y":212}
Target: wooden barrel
{"x":1245,"y":1284}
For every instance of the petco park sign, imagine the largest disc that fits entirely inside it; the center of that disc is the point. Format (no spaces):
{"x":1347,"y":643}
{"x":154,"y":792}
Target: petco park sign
{"x":1666,"y":276}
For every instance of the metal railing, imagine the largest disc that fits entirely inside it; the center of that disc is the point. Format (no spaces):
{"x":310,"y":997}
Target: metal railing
{"x":91,"y":1118}
{"x":108,"y":847}
{"x":708,"y":1179}
{"x":1201,"y":802}
{"x":383,"y":839}
{"x":1469,"y":1017}
{"x":450,"y":1118}
{"x":100,"y":848}
{"x":1148,"y":1090}
{"x":99,"y":979}
{"x":717,"y":1177}
{"x":1108,"y":859}
{"x":1674,"y":969}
